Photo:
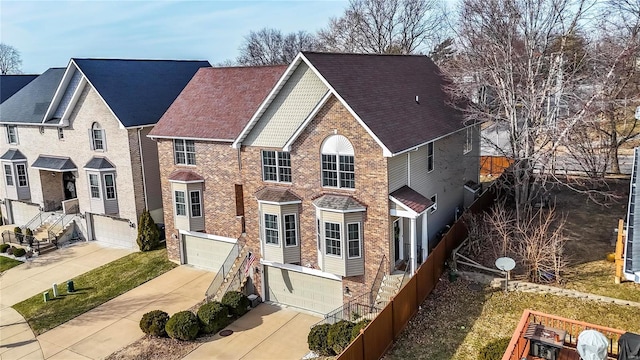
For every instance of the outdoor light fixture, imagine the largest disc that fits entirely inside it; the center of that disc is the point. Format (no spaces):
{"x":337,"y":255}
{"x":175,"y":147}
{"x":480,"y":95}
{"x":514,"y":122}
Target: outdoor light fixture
{"x":347,"y":291}
{"x":257,"y":270}
{"x":131,"y":224}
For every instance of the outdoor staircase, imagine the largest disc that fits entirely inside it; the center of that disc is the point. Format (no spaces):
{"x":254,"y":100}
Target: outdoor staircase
{"x":232,"y":281}
{"x":53,"y":225}
{"x":390,"y":286}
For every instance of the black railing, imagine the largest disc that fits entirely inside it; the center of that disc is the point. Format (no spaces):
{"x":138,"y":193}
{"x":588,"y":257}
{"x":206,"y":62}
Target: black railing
{"x":383,"y":269}
{"x":10,"y":237}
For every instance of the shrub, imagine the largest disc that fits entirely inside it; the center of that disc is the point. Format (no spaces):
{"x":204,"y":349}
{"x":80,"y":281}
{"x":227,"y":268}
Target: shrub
{"x":317,"y":340}
{"x":494,"y":350}
{"x":19,"y":252}
{"x":357,"y":327}
{"x":18,"y":231}
{"x":153,"y":323}
{"x":339,"y":335}
{"x":28,"y":232}
{"x":4,"y":248}
{"x":11,"y":250}
{"x":213,"y":317}
{"x":237,"y":303}
{"x":183,"y":325}
{"x":148,"y":235}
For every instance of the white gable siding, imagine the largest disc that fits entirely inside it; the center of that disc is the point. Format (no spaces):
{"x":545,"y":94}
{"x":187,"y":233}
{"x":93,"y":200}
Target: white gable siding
{"x":298,"y":97}
{"x":398,"y":174}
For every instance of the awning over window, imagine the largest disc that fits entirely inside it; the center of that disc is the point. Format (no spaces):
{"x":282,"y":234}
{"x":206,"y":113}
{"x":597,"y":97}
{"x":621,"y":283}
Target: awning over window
{"x":13,"y":155}
{"x":339,"y":203}
{"x":54,"y":163}
{"x":99,"y":163}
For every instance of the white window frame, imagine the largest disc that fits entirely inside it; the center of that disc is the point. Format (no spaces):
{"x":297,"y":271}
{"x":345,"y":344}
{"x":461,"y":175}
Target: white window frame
{"x":12,"y":134}
{"x":106,"y":187}
{"x":434,"y":198}
{"x":183,"y":202}
{"x":188,"y":155}
{"x":95,"y":186}
{"x":335,"y":150}
{"x":431,"y":164}
{"x":468,"y":141}
{"x":278,"y":157}
{"x":23,"y":177}
{"x":199,"y":203}
{"x":349,"y":240}
{"x":8,"y":175}
{"x":286,"y":231}
{"x":97,"y":129}
{"x":338,"y":239}
{"x":270,"y":229}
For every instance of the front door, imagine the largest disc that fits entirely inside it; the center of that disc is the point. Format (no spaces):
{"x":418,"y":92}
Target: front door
{"x":397,"y":236}
{"x":69,"y":183}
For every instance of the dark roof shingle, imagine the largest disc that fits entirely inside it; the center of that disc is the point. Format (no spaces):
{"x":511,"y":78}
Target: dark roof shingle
{"x":218,"y":102}
{"x":276,"y":195}
{"x":339,"y":202}
{"x":29,"y":104}
{"x":10,"y":84}
{"x":99,"y":163}
{"x":185,"y":176}
{"x":54,"y":163}
{"x":13,"y":154}
{"x":139,"y":91}
{"x":411,"y":199}
{"x":382,"y":90}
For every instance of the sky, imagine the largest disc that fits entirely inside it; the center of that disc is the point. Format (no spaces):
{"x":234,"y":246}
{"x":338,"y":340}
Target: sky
{"x":47,"y":33}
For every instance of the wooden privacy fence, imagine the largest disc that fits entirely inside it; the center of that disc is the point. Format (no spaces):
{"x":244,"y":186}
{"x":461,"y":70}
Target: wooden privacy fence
{"x":494,"y":165}
{"x":378,"y":336}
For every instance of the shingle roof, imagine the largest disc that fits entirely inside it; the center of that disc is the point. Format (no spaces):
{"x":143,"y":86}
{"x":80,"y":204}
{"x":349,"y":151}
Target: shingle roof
{"x":139,"y":91}
{"x":411,"y":199}
{"x":29,"y":104}
{"x":99,"y":163}
{"x":13,"y":154}
{"x":54,"y":163}
{"x":10,"y":84}
{"x":276,"y":195}
{"x":382,"y":90}
{"x":218,"y":102}
{"x":339,"y":202}
{"x":185,"y":176}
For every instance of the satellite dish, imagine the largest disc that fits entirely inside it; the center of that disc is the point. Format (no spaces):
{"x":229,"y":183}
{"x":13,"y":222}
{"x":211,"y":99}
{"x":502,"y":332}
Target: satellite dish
{"x":505,"y":263}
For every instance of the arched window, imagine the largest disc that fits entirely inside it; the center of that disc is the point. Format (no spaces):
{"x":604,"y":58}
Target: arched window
{"x":338,"y":163}
{"x":97,"y":137}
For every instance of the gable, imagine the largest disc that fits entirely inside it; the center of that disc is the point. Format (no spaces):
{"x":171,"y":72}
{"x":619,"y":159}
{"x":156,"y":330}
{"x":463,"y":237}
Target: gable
{"x":298,"y":97}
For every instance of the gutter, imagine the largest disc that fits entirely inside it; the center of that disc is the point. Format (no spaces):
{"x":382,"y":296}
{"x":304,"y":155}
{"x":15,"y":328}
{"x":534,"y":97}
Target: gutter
{"x":144,"y":181}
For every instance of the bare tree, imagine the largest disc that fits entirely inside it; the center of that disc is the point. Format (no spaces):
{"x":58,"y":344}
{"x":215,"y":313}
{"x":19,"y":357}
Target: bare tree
{"x":384,"y":26}
{"x":272,"y":47}
{"x":10,"y":60}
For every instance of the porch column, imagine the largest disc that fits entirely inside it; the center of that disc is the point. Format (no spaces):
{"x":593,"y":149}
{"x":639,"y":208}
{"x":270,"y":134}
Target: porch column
{"x":413,"y":259}
{"x":425,"y":237}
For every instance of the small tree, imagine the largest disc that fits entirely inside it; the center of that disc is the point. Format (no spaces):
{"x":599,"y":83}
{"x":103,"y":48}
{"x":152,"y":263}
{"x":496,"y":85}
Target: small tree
{"x":148,"y":235}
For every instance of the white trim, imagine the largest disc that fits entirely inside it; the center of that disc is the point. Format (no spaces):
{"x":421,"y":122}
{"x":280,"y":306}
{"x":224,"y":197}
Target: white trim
{"x":60,"y":171}
{"x":359,"y":240}
{"x":200,"y":204}
{"x":341,"y":239}
{"x":264,"y":227}
{"x":301,"y":269}
{"x":468,"y":136}
{"x":73,"y":101}
{"x":208,"y":236}
{"x":284,"y":230}
{"x":175,"y":204}
{"x":277,"y":166}
{"x":57,"y":96}
{"x":30,"y":124}
{"x":426,"y":142}
{"x":401,"y":213}
{"x":183,"y":137}
{"x":433,"y":156}
{"x":90,"y":169}
{"x":408,"y":210}
{"x":312,"y":114}
{"x":434,"y":207}
{"x":186,"y":182}
{"x":341,"y":211}
{"x":104,"y":183}
{"x":280,"y":203}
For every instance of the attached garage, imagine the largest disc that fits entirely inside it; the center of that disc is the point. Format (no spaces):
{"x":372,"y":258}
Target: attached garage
{"x":112,"y":232}
{"x":205,"y":253}
{"x":305,"y":291}
{"x":23,"y":213}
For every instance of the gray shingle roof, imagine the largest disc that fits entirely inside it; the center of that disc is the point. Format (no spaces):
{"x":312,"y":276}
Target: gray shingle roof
{"x":276,"y":195}
{"x":139,"y":91}
{"x":339,"y":202}
{"x":99,"y":163}
{"x":10,"y":84}
{"x":29,"y":104}
{"x":13,"y":154}
{"x":54,"y":163}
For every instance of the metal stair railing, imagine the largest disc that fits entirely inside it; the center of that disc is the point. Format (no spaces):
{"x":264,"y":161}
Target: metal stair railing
{"x":20,"y":239}
{"x":223,"y":271}
{"x":62,"y":222}
{"x":235,"y":282}
{"x":31,"y":222}
{"x":377,"y":281}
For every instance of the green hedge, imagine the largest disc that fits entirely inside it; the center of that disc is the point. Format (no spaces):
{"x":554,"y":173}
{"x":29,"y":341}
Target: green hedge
{"x":237,"y":302}
{"x":183,"y":325}
{"x":213,"y":317}
{"x":153,"y":323}
{"x":318,"y":340}
{"x":339,"y":335}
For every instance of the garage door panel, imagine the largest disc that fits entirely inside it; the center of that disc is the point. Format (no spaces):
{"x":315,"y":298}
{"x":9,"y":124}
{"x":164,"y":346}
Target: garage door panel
{"x":205,"y":253}
{"x":113,"y":232}
{"x":302,"y":290}
{"x":23,"y":213}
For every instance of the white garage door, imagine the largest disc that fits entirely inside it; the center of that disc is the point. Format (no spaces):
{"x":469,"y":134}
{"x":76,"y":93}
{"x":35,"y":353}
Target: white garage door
{"x":23,"y":213}
{"x":115,"y":233}
{"x":301,"y":290}
{"x":205,"y":253}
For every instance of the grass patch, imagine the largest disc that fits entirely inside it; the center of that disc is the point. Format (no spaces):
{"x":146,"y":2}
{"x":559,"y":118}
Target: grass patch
{"x":455,"y":322}
{"x":94,"y":288}
{"x":596,"y":277}
{"x":7,"y":263}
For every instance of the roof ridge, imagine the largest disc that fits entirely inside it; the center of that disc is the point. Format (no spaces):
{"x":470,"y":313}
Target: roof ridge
{"x":248,"y":67}
{"x":157,"y":60}
{"x":362,"y":54}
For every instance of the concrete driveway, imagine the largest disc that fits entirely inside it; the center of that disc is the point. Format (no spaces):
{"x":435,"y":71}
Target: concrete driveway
{"x":266,"y":332}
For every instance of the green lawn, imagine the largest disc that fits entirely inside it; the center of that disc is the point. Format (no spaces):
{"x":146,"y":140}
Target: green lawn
{"x":94,"y":288}
{"x":7,"y":263}
{"x":455,"y":322}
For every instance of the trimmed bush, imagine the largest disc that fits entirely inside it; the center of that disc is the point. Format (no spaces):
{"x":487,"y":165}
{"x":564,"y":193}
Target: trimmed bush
{"x":11,"y":250}
{"x":4,"y":248}
{"x":237,"y":302}
{"x":19,"y":252}
{"x":339,"y":335}
{"x":153,"y":323}
{"x":183,"y":325}
{"x":18,"y":231}
{"x":213,"y":317}
{"x":148,"y":234}
{"x":494,"y":350}
{"x":317,"y":340}
{"x":357,"y":327}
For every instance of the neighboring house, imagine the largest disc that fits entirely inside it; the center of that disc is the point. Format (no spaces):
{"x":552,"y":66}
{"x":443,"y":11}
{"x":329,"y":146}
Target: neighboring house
{"x":350,"y":159}
{"x":75,"y":141}
{"x":10,"y":84}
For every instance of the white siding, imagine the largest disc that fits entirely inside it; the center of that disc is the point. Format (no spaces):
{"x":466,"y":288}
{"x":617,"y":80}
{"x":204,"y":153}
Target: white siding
{"x":397,"y":172}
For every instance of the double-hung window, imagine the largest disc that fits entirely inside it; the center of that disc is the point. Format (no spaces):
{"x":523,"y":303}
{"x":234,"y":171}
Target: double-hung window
{"x":184,"y":152}
{"x":468,"y":141}
{"x":353,"y":233}
{"x":8,"y":175}
{"x":97,"y":137}
{"x":181,"y":203}
{"x":109,"y":186}
{"x":434,"y":198}
{"x":338,"y":163}
{"x":12,"y":134}
{"x":290,"y":231}
{"x":196,"y":206}
{"x":332,"y":238}
{"x":276,"y":166}
{"x":94,"y":186}
{"x":430,"y":164}
{"x":271,"y":229}
{"x":21,"y":172}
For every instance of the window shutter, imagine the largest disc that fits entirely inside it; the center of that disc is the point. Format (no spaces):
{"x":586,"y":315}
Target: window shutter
{"x":91,"y":139}
{"x":104,"y":140}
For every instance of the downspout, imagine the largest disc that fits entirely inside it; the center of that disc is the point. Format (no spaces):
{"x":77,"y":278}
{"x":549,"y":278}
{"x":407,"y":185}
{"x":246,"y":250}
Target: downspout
{"x":144,"y":181}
